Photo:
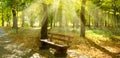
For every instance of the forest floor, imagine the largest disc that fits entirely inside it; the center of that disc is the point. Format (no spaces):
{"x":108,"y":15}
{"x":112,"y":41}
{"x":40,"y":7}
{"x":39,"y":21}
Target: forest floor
{"x":13,"y":46}
{"x":24,"y":43}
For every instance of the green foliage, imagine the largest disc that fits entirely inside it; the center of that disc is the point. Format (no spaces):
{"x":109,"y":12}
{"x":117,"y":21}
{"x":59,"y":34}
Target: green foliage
{"x":71,"y":8}
{"x":17,"y":4}
{"x":101,"y":32}
{"x":48,"y":2}
{"x":99,"y":35}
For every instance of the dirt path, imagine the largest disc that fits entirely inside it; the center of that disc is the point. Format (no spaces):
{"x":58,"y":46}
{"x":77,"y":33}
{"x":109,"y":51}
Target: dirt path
{"x":10,"y":48}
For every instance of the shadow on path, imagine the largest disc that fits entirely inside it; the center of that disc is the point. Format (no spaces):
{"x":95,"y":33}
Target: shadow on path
{"x":113,"y":55}
{"x":49,"y":53}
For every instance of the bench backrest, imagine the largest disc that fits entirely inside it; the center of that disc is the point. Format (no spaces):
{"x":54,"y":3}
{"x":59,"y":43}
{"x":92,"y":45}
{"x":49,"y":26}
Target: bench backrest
{"x":60,"y":37}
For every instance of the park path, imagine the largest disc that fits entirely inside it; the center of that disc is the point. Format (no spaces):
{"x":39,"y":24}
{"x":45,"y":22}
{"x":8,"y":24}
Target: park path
{"x":9,"y":48}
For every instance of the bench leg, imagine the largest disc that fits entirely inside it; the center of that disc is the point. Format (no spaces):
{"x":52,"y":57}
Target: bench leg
{"x":60,"y":52}
{"x":44,"y":46}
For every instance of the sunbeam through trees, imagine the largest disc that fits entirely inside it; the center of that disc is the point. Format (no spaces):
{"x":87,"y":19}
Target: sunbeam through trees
{"x":60,"y":28}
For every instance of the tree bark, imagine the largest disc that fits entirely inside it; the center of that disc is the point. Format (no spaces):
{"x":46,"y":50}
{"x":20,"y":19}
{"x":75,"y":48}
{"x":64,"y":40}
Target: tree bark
{"x":23,"y":19}
{"x":8,"y":18}
{"x":96,"y":19}
{"x":51,"y":21}
{"x":60,"y":18}
{"x":108,"y":22}
{"x":89,"y":21}
{"x":2,"y":16}
{"x":83,"y":21}
{"x":44,"y":23}
{"x":15,"y":25}
{"x":31,"y":22}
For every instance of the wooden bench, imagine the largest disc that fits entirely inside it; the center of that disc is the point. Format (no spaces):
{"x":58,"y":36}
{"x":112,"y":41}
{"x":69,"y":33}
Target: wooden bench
{"x":60,"y":37}
{"x":61,"y":49}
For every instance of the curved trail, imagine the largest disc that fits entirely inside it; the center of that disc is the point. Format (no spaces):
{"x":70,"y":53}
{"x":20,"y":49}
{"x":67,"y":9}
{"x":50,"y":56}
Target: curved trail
{"x":10,"y":48}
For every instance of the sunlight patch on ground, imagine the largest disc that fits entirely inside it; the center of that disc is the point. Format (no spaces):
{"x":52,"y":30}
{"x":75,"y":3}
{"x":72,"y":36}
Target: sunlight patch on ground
{"x":2,"y":33}
{"x":96,"y":37}
{"x":10,"y":56}
{"x":113,"y":49}
{"x":83,"y":46}
{"x":110,"y":49}
{"x":76,"y":54}
{"x":108,"y":42}
{"x":90,"y":52}
{"x":37,"y":55}
{"x":17,"y":50}
{"x":36,"y":28}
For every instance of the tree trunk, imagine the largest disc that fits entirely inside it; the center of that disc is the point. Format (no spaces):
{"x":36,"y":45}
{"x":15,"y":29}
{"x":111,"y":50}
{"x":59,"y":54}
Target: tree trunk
{"x":101,"y":21}
{"x":51,"y":20}
{"x":23,"y":19}
{"x":44,"y":23}
{"x":31,"y":22}
{"x":8,"y":18}
{"x":15,"y":25}
{"x":108,"y":22}
{"x":89,"y":22}
{"x":51,"y":23}
{"x":117,"y":17}
{"x":54,"y":23}
{"x":60,"y":18}
{"x":96,"y":19}
{"x":75,"y":23}
{"x":105,"y":21}
{"x":118,"y":21}
{"x":2,"y":16}
{"x":114,"y":18}
{"x":83,"y":21}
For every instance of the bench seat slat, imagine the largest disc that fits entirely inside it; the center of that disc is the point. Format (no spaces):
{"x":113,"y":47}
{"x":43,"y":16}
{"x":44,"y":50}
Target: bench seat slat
{"x":56,"y":36}
{"x":63,"y":35}
{"x":46,"y":41}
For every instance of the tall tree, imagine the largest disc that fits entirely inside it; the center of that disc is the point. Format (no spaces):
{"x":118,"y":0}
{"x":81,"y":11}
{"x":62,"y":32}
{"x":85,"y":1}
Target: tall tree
{"x":2,"y":13}
{"x":83,"y":21}
{"x":96,"y":19}
{"x":44,"y":23}
{"x":14,"y":12}
{"x":23,"y":19}
{"x":32,"y":21}
{"x":15,"y":25}
{"x":8,"y":17}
